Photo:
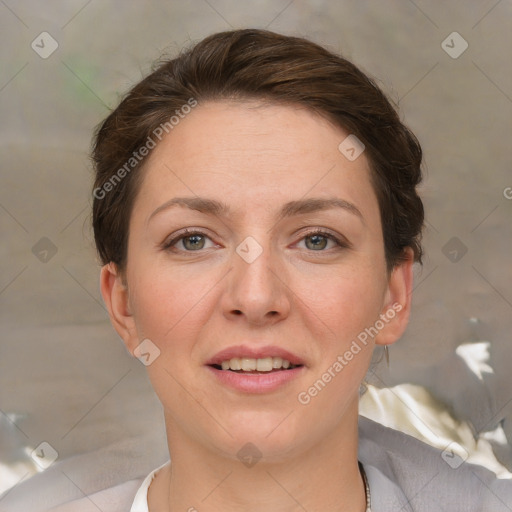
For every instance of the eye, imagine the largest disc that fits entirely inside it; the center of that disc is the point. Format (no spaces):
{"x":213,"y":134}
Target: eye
{"x":318,"y":240}
{"x":190,"y":241}
{"x":194,"y":241}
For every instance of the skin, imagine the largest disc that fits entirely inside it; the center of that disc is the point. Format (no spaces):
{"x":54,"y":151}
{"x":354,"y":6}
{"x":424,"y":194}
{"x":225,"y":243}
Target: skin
{"x":311,"y":301}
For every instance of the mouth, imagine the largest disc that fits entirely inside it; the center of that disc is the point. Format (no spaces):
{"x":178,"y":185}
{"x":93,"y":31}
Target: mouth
{"x":248,"y":369}
{"x":249,"y":365}
{"x":248,"y":358}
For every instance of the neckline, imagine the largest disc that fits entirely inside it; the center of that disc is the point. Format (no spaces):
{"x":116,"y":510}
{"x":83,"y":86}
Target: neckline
{"x":149,"y":479}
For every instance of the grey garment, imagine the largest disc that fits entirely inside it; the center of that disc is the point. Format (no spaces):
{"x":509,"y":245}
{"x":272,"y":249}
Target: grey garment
{"x":404,"y":475}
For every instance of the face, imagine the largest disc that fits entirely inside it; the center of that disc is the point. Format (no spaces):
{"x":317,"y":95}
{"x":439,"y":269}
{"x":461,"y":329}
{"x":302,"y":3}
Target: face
{"x":283,"y":256}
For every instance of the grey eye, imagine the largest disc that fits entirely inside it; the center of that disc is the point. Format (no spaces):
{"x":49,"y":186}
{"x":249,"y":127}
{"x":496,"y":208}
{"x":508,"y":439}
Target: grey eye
{"x":317,"y":242}
{"x":193,"y":242}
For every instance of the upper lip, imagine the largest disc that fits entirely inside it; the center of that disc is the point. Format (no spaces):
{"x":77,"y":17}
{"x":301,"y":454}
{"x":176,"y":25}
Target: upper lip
{"x":244,"y":351}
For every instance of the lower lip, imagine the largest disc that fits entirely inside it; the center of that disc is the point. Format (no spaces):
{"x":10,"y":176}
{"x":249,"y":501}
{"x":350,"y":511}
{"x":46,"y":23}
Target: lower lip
{"x":256,"y":382}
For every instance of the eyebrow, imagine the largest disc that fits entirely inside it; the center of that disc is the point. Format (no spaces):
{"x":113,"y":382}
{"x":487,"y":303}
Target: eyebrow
{"x":298,"y":207}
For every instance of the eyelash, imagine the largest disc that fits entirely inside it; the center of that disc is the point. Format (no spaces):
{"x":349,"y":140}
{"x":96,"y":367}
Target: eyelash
{"x":342,"y":244}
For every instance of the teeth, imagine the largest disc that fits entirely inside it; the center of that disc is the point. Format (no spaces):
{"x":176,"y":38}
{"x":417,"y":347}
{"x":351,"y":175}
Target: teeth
{"x":266,"y":364}
{"x":277,"y":362}
{"x":248,"y":364}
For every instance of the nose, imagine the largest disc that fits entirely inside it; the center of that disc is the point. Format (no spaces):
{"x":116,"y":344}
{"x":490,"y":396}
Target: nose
{"x":256,"y":291}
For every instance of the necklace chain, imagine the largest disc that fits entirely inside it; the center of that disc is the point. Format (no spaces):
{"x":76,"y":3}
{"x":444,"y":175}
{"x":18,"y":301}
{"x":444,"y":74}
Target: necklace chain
{"x":366,"y":488}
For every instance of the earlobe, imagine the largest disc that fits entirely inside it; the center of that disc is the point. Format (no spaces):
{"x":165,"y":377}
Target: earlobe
{"x":115,"y":295}
{"x":397,"y":304}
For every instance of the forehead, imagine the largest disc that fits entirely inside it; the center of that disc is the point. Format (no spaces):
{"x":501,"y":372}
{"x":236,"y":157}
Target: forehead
{"x":254,"y":153}
{"x":224,"y":130}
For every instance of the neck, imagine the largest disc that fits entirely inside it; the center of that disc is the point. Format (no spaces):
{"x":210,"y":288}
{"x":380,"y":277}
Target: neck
{"x":325,"y":477}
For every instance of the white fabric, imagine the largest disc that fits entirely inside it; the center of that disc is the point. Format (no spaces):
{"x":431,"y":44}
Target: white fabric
{"x":413,"y":410}
{"x":140,"y":503}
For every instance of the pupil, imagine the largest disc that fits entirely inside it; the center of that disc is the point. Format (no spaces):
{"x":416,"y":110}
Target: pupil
{"x":316,"y":239}
{"x":193,"y":241}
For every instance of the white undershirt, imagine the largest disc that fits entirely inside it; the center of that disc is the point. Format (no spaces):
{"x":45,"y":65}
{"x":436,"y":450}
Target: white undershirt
{"x":140,"y":503}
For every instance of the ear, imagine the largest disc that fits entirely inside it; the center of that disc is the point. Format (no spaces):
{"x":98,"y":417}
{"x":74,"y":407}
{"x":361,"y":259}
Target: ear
{"x":114,"y":291}
{"x":397,"y":302}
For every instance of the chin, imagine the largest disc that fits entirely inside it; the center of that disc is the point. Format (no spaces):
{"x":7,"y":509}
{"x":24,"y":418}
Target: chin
{"x":270,"y":436}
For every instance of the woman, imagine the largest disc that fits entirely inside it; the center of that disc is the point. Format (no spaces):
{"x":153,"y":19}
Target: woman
{"x":256,"y":213}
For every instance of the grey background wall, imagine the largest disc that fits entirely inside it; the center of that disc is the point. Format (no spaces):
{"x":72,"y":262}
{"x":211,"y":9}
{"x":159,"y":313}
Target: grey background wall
{"x":65,"y":377}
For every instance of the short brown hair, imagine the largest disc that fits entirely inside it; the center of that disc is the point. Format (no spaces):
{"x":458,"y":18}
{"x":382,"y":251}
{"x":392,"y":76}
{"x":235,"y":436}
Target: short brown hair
{"x":257,"y":64}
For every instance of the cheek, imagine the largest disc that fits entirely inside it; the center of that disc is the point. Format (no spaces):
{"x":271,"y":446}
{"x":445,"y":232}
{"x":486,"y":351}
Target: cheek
{"x":338,"y":313}
{"x":343,"y":303}
{"x":170,"y":305}
{"x":170,"y":309}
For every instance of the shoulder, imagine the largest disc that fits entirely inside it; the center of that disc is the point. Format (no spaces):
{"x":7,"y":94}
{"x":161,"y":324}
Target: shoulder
{"x":113,"y":499}
{"x":103,"y":480}
{"x":118,"y":498}
{"x":423,"y":478}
